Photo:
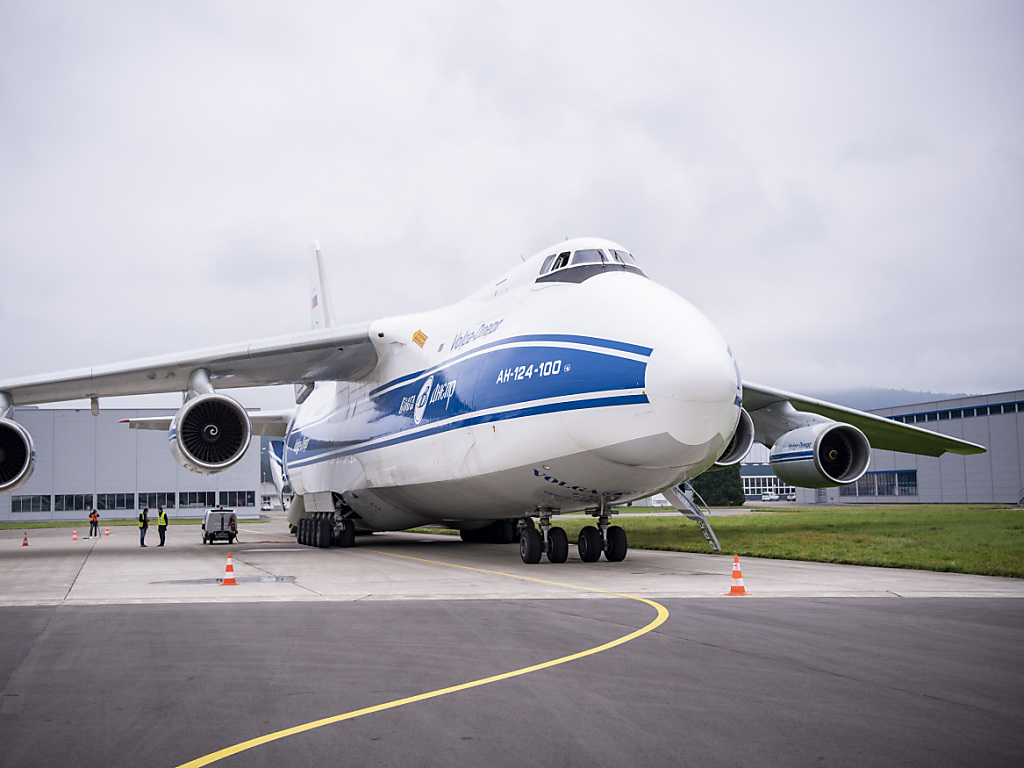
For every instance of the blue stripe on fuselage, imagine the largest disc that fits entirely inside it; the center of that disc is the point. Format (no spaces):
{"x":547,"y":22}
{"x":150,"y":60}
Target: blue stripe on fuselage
{"x":499,"y":384}
{"x":555,"y":338}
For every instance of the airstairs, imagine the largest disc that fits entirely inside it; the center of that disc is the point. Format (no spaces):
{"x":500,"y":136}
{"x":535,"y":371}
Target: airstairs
{"x":685,"y":500}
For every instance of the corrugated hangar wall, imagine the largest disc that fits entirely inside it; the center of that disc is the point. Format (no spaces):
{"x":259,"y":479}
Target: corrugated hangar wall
{"x":994,"y":421}
{"x":78,"y":454}
{"x":84,"y":460}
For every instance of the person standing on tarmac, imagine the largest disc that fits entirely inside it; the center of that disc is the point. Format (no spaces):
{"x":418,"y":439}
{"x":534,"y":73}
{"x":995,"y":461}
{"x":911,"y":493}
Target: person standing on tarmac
{"x":161,"y":524}
{"x":94,"y":524}
{"x":143,"y":526}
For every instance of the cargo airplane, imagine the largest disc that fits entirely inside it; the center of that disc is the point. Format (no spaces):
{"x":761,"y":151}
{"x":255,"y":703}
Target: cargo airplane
{"x":571,"y":383}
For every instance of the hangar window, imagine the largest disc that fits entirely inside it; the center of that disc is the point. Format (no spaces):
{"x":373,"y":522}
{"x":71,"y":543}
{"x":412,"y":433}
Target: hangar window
{"x":238,"y":498}
{"x":30,"y":504}
{"x":72,"y":502}
{"x":112,"y":501}
{"x":873,"y":484}
{"x":165,"y":500}
{"x":196,"y":499}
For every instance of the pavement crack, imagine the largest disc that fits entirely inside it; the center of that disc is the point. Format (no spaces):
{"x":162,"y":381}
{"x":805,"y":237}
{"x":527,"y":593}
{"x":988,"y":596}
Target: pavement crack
{"x":78,"y":573}
{"x":270,"y":573}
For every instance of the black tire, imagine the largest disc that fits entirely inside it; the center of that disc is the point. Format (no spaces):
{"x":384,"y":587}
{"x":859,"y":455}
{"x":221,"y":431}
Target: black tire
{"x":530,"y":545}
{"x":301,"y":537}
{"x":347,"y":537}
{"x":558,"y":545}
{"x":617,"y":545}
{"x":324,"y":534}
{"x":589,"y":544}
{"x":506,"y":531}
{"x":470,"y":537}
{"x":231,"y":539}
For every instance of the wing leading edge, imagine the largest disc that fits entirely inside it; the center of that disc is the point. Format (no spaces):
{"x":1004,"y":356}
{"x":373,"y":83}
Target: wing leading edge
{"x":327,"y":354}
{"x":774,"y":411}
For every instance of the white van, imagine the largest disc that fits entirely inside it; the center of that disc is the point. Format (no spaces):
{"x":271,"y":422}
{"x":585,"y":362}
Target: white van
{"x":769,"y":496}
{"x":219,"y":525}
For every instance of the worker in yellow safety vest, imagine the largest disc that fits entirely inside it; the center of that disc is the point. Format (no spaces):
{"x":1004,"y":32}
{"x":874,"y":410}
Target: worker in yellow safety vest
{"x":143,"y":526}
{"x":161,"y":523}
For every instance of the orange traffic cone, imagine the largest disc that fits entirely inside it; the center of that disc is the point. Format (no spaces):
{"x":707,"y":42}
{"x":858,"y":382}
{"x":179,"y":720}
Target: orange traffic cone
{"x":229,"y":574}
{"x":737,"y":578}
{"x":24,"y":541}
{"x":74,"y":534}
{"x":108,"y":531}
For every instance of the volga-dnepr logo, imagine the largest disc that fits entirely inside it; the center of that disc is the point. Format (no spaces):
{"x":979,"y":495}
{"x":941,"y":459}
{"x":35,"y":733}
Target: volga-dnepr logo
{"x":421,"y":400}
{"x":428,"y":394}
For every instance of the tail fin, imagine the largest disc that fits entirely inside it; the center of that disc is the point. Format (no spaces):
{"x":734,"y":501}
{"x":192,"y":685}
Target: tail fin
{"x":322,"y":306}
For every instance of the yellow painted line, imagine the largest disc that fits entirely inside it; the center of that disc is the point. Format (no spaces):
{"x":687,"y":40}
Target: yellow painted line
{"x":261,"y":740}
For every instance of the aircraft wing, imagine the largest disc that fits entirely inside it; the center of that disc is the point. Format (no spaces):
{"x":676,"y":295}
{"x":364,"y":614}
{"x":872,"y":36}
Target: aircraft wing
{"x":327,"y":354}
{"x":268,"y":423}
{"x":762,"y":403}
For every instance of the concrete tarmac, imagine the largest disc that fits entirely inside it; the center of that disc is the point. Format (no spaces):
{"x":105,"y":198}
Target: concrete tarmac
{"x":116,"y":655}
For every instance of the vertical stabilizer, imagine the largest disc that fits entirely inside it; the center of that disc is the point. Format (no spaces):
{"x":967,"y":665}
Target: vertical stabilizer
{"x":320,"y":294}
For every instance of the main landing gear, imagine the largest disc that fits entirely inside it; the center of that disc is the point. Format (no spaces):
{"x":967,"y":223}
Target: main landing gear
{"x":323,"y":529}
{"x":554,"y":542}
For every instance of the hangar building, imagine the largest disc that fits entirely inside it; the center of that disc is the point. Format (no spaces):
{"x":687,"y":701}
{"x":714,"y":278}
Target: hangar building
{"x":84,"y":460}
{"x":994,"y":421}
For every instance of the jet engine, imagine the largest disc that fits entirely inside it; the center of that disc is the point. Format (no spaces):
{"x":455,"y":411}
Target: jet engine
{"x":742,"y":440}
{"x":821,"y":455}
{"x":17,"y":456}
{"x":210,"y":433}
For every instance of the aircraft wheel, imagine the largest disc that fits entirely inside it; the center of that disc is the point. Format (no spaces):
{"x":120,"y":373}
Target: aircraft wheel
{"x":558,"y":545}
{"x":506,"y":531}
{"x":300,"y":531}
{"x":530,"y":543}
{"x":324,"y":534}
{"x":617,"y":545}
{"x":589,"y":544}
{"x":347,"y":537}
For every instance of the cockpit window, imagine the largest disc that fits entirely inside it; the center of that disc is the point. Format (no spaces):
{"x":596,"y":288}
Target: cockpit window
{"x":553,"y":262}
{"x":623,"y":256}
{"x":588,"y":256}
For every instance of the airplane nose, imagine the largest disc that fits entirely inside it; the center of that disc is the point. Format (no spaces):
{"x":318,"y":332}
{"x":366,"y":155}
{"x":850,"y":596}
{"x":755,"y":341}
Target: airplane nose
{"x":692,"y":387}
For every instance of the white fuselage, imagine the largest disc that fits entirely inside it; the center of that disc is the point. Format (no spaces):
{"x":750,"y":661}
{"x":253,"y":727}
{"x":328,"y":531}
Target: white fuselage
{"x":557,"y":394}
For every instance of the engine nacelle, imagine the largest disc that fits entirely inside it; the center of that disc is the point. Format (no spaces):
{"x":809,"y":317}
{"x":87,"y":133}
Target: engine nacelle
{"x":821,"y":455}
{"x":210,"y":433}
{"x":742,"y":440}
{"x":17,"y":456}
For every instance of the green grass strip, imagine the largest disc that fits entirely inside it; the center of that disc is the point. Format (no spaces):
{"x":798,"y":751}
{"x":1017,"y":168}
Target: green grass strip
{"x":979,"y":539}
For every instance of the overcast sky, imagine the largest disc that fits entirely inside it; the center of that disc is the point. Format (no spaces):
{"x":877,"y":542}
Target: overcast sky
{"x":838,"y":186}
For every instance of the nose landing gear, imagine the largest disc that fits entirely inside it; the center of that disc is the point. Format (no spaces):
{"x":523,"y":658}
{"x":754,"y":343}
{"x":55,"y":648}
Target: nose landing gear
{"x":553,"y":541}
{"x":549,"y":540}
